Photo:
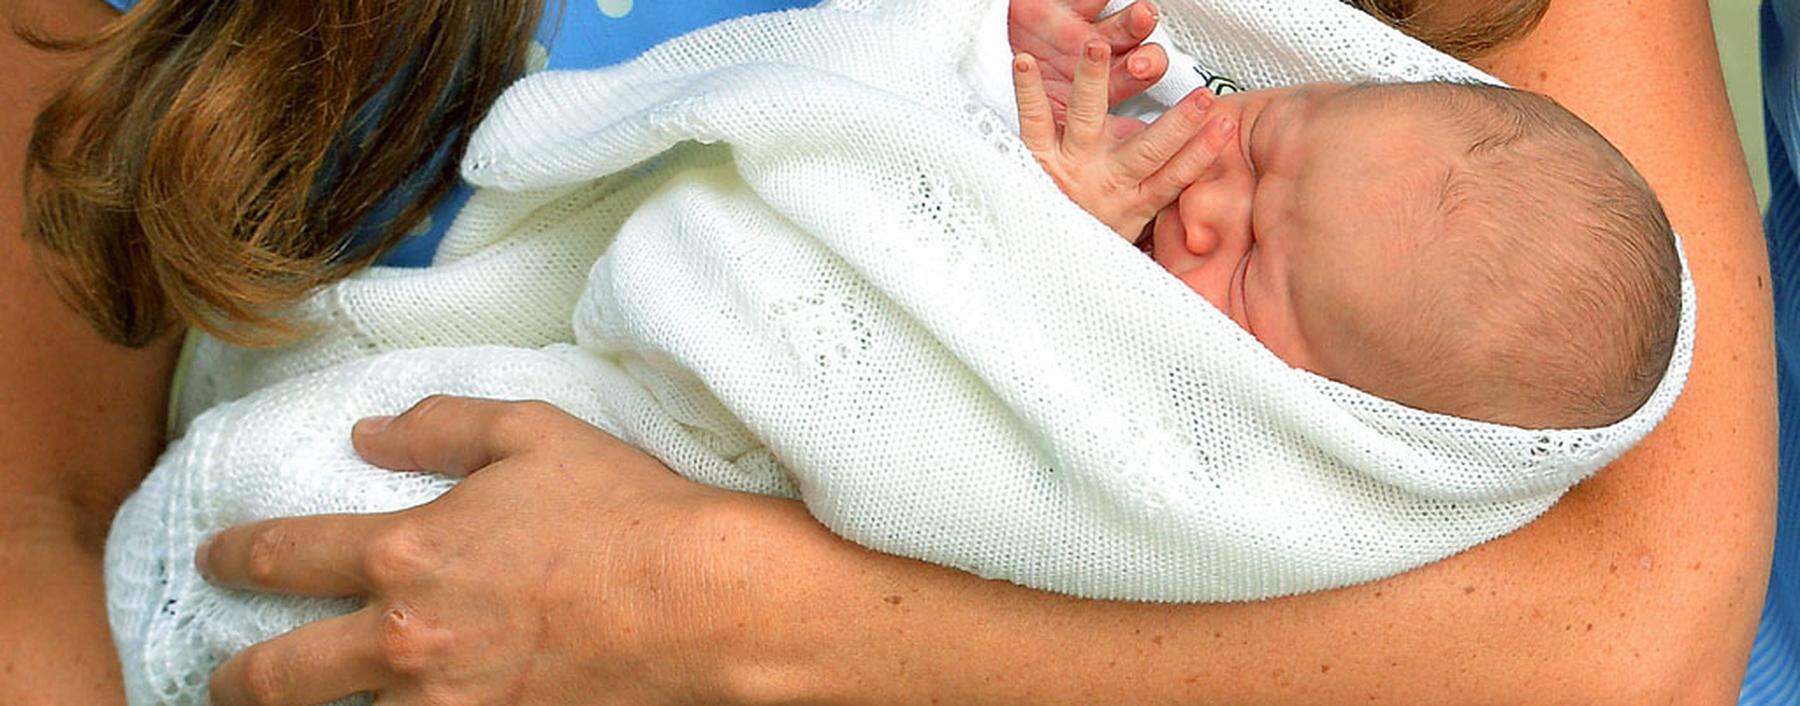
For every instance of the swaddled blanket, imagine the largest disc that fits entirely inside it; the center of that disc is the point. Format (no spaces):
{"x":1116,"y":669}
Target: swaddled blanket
{"x":808,"y":262}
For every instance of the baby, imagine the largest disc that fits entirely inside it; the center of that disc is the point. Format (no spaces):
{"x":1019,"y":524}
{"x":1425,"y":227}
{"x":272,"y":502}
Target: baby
{"x":1469,"y":250}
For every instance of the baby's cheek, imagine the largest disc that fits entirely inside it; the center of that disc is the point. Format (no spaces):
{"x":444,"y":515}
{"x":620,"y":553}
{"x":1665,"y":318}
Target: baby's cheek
{"x":1321,"y":327}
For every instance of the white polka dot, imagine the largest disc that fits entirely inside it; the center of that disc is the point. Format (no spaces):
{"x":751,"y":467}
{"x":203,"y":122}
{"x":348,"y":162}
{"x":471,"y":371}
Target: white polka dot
{"x":615,"y":8}
{"x":536,"y":58}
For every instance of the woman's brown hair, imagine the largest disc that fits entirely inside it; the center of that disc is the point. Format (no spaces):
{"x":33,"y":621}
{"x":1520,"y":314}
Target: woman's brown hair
{"x":214,"y":160}
{"x":1465,"y":29}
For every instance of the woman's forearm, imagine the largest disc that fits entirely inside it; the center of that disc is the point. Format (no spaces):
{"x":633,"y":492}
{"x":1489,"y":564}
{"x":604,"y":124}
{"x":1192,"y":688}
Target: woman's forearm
{"x":1574,"y":609}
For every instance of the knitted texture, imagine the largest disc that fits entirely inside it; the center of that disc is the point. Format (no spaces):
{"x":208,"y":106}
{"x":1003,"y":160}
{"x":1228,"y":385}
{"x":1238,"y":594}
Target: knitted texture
{"x":794,"y":254}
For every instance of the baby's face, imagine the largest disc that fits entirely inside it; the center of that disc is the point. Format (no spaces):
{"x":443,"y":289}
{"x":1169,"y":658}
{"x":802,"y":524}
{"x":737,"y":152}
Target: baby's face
{"x":1304,"y":229}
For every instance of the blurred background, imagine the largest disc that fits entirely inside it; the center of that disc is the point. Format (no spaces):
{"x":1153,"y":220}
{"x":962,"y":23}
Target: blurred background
{"x":1735,"y":26}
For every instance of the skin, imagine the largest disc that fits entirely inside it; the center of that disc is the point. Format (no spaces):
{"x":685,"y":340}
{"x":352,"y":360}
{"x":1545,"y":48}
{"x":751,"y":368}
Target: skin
{"x":1643,"y":586}
{"x":80,"y":420}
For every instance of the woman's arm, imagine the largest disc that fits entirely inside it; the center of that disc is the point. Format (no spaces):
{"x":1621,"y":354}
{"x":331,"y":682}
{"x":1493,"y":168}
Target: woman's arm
{"x":80,"y":420}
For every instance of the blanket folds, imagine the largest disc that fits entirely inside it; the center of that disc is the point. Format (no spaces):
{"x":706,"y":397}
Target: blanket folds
{"x":794,"y":254}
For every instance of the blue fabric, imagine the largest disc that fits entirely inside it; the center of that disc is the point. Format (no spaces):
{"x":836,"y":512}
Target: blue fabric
{"x":1774,"y":673}
{"x":583,"y":34}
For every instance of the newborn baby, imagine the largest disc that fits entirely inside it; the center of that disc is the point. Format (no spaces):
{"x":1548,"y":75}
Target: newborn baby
{"x":1464,"y":249}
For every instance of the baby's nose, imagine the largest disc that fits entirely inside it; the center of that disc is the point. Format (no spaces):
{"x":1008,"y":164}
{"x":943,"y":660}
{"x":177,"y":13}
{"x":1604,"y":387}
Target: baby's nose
{"x":1202,"y":239}
{"x":1213,"y":216}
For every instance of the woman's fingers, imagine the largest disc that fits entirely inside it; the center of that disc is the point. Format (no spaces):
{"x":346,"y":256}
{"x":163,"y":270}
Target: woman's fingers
{"x":320,"y":555}
{"x":315,"y":664}
{"x":1088,"y":101}
{"x":1149,"y":150}
{"x":454,"y":436}
{"x":1188,"y":164}
{"x":1037,"y":122}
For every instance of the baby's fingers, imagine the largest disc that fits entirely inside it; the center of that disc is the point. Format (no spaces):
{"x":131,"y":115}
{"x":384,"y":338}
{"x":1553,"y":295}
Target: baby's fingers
{"x":1187,"y":165}
{"x":1148,"y":151}
{"x":1037,"y":124}
{"x":1121,"y":128}
{"x":1136,"y":72}
{"x":1087,"y":101}
{"x":1128,"y":27}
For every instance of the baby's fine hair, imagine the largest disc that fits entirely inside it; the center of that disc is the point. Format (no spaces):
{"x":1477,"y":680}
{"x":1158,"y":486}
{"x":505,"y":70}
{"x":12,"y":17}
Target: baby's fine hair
{"x":1559,"y":273}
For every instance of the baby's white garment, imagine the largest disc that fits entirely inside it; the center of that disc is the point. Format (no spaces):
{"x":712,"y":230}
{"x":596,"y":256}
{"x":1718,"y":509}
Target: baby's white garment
{"x":781,"y":254}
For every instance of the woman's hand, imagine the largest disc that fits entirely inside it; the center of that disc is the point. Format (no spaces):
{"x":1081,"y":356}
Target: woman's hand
{"x":565,"y":570}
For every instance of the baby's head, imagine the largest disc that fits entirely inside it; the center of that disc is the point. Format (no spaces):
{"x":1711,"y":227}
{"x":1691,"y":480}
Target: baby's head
{"x":1469,"y":250}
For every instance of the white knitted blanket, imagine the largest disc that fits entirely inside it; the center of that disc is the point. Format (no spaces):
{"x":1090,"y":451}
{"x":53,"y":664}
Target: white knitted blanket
{"x":793,"y":254}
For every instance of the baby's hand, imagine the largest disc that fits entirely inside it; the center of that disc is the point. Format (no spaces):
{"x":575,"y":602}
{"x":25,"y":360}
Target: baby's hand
{"x":1118,"y":170}
{"x":1055,"y":32}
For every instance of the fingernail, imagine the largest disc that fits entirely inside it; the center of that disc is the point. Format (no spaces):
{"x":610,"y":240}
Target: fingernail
{"x":1021,"y":63}
{"x":200,"y":559}
{"x":1146,"y":18}
{"x":1204,"y":99}
{"x":1096,"y":51}
{"x":373,"y":425}
{"x":1140,"y":66}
